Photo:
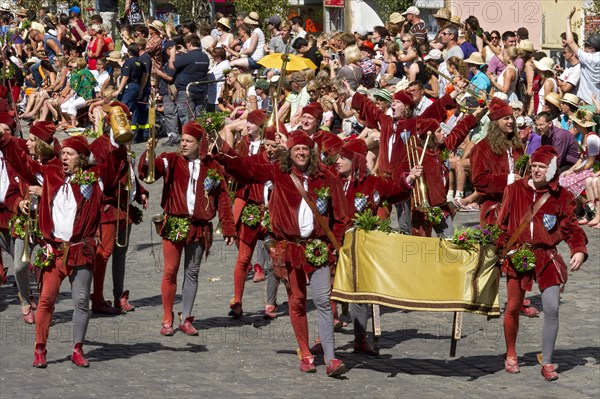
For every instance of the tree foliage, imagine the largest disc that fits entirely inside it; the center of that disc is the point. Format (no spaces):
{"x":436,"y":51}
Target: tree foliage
{"x":192,"y":10}
{"x":386,"y":7}
{"x":264,"y":8}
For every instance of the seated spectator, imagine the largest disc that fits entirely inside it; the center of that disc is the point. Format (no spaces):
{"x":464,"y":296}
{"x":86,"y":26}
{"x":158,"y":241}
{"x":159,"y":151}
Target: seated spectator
{"x":82,"y":85}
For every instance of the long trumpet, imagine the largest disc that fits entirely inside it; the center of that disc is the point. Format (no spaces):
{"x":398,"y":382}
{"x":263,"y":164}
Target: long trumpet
{"x":419,"y":194}
{"x":474,"y":92}
{"x":151,"y":153}
{"x":127,"y":187}
{"x":30,"y":226}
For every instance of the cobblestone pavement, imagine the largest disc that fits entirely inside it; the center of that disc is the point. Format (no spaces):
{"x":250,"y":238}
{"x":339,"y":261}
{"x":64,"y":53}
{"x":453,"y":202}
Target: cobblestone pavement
{"x":254,"y":357}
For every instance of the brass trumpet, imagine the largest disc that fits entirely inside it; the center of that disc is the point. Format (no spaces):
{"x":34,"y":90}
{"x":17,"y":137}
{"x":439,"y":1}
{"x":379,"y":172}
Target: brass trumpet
{"x":127,"y":187}
{"x":30,"y":224}
{"x":474,"y":92}
{"x":151,"y":153}
{"x":419,"y":194}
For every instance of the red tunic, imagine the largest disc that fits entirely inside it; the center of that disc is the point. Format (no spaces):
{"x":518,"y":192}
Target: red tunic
{"x":173,"y":168}
{"x":561,"y":225}
{"x":377,"y":189}
{"x":82,"y":248}
{"x":490,"y":177}
{"x":285,"y":201}
{"x":101,"y":148}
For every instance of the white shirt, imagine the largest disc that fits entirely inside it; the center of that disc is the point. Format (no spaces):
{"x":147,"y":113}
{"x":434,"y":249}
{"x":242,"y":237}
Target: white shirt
{"x":64,"y":209}
{"x":260,"y":45}
{"x":571,"y":75}
{"x":216,"y":73}
{"x":422,"y":106}
{"x":590,"y":75}
{"x":254,"y":147}
{"x":306,"y":219}
{"x":194,"y":167}
{"x":3,"y":178}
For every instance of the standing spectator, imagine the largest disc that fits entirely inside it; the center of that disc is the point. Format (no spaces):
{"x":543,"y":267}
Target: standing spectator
{"x":140,"y":116}
{"x":190,"y":67}
{"x":474,"y":33}
{"x":108,"y":10}
{"x":77,"y":28}
{"x":352,"y":71}
{"x":495,"y":65}
{"x":134,"y":12}
{"x":96,"y":47}
{"x":165,"y":80}
{"x":131,"y":76}
{"x":568,"y":82}
{"x":589,"y":59}
{"x":548,"y":82}
{"x":466,"y":46}
{"x":154,"y":44}
{"x":273,"y":24}
{"x":491,"y":40}
{"x":216,"y":73}
{"x":417,"y":27}
{"x":297,"y":29}
{"x":505,"y":84}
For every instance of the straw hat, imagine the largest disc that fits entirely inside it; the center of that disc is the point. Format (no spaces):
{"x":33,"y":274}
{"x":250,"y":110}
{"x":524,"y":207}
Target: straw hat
{"x":158,"y":26}
{"x":5,"y":6}
{"x":476,"y":59}
{"x":545,"y":64}
{"x":443,"y":13}
{"x":224,"y":22}
{"x":396,"y":18}
{"x":526,"y":45}
{"x":114,"y":56}
{"x":583,"y":117}
{"x":455,"y":19}
{"x":553,"y":98}
{"x":570,"y":98}
{"x":21,"y":12}
{"x":252,"y":19}
{"x":434,"y":54}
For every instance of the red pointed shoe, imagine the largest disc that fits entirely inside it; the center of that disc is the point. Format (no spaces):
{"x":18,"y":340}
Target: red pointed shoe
{"x":336,"y":367}
{"x":77,"y":357}
{"x":187,"y":328}
{"x":511,"y":365}
{"x":549,"y":372}
{"x":259,"y":273}
{"x":123,"y":303}
{"x":39,"y":356}
{"x":307,"y":365}
{"x":365,"y":348}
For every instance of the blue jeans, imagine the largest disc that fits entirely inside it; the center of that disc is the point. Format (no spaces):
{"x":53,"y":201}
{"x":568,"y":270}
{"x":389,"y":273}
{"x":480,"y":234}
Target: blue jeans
{"x":189,"y":108}
{"x":129,"y":97}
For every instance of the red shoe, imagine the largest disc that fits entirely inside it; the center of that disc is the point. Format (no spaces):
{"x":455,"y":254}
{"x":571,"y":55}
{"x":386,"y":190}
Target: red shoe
{"x":39,"y":356}
{"x":28,"y":316}
{"x":529,"y":311}
{"x":187,"y":327}
{"x":270,"y":312}
{"x":338,"y":325}
{"x":259,"y":273}
{"x":364,"y":347}
{"x":123,"y":303}
{"x":236,"y":310}
{"x":307,"y":365}
{"x":167,"y":328}
{"x":77,"y":356}
{"x":336,"y":367}
{"x":105,"y":308}
{"x":511,"y":365}
{"x":549,"y":372}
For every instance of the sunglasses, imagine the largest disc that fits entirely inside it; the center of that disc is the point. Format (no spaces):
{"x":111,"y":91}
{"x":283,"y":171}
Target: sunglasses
{"x":495,"y":37}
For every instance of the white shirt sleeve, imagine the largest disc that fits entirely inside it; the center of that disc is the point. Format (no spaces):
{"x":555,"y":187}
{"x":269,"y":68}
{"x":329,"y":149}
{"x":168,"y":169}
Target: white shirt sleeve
{"x":593,"y":145}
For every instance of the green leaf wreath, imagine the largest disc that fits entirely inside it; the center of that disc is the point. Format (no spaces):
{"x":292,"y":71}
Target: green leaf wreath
{"x":251,"y":215}
{"x":522,"y":164}
{"x":434,"y":215}
{"x":316,"y":252}
{"x":17,"y":225}
{"x":176,"y":229}
{"x":367,"y":221}
{"x":523,"y":260}
{"x":83,"y":177}
{"x":44,"y":257}
{"x":212,"y":121}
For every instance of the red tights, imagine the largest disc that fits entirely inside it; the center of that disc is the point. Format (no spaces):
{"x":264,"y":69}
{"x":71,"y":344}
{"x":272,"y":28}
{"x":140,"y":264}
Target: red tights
{"x":515,"y":296}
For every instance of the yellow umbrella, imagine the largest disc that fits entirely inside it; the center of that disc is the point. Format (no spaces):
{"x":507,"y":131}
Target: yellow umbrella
{"x":294,"y":63}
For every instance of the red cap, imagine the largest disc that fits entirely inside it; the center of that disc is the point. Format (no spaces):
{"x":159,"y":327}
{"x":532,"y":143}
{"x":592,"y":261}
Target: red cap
{"x":257,"y":117}
{"x":299,"y":137}
{"x":331,"y":144}
{"x":7,"y":120}
{"x":427,"y":125}
{"x":44,"y":130}
{"x":354,"y":146}
{"x":367,"y":45}
{"x":315,"y":110}
{"x":271,"y":130}
{"x":194,"y":129}
{"x":498,"y":109}
{"x":404,"y":97}
{"x":547,"y":154}
{"x":78,"y":143}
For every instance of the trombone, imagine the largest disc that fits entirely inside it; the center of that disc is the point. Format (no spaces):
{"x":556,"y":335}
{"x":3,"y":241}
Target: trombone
{"x":30,"y":226}
{"x":419,"y":194}
{"x":151,"y":152}
{"x":473,"y":92}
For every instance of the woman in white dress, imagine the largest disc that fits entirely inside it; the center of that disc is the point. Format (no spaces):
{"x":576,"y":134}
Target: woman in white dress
{"x":506,"y":83}
{"x":224,"y":38}
{"x":548,"y":83}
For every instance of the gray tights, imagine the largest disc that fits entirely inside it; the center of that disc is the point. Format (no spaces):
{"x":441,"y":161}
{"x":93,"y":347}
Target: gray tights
{"x":81,"y":284}
{"x":192,"y":259}
{"x":22,"y":271}
{"x":550,"y":302}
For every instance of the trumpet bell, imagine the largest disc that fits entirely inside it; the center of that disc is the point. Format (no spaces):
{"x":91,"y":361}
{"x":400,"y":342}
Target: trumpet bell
{"x":120,"y":126}
{"x":219,"y":229}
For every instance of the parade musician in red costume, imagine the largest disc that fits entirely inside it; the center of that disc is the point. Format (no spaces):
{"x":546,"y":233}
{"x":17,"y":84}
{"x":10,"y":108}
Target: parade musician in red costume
{"x":190,"y":200}
{"x":554,"y":222}
{"x":69,"y":217}
{"x":294,"y":226}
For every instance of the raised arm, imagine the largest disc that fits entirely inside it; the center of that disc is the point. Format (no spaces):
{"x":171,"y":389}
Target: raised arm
{"x":569,"y":32}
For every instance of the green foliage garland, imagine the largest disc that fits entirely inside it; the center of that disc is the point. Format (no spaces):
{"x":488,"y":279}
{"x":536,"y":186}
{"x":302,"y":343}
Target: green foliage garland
{"x":176,"y":229}
{"x":212,"y":122}
{"x":434,"y":215}
{"x":323,"y":193}
{"x":523,"y":260}
{"x":365,"y":220}
{"x":469,"y":238}
{"x":17,"y":225}
{"x":251,"y":215}
{"x":44,"y":257}
{"x":316,"y":252}
{"x":83,"y":177}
